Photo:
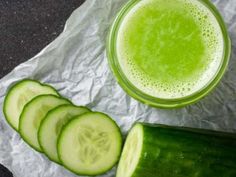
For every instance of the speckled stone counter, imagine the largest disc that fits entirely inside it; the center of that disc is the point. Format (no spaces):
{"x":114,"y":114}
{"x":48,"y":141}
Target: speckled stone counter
{"x":26,"y":27}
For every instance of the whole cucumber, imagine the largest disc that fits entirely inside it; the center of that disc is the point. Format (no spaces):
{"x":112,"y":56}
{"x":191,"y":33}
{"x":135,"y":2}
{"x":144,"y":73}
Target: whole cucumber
{"x":163,"y":151}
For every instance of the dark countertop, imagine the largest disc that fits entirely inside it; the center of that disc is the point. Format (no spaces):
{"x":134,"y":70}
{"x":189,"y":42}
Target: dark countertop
{"x":26,"y":27}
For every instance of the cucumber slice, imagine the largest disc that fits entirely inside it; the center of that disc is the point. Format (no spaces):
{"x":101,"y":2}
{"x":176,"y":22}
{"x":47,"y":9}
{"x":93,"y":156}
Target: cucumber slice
{"x":19,"y":95}
{"x":90,"y":144}
{"x":51,"y":127}
{"x":32,"y":115}
{"x":163,"y":151}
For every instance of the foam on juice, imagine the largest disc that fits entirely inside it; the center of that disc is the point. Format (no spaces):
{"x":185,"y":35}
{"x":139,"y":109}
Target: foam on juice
{"x":169,"y":48}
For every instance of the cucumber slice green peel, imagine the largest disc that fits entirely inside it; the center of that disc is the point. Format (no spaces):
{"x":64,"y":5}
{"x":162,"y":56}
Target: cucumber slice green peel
{"x":163,"y":151}
{"x":51,"y":126}
{"x":90,"y":144}
{"x":32,"y":115}
{"x":21,"y":93}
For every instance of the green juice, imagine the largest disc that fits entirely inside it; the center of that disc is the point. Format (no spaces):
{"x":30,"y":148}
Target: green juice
{"x":169,"y":48}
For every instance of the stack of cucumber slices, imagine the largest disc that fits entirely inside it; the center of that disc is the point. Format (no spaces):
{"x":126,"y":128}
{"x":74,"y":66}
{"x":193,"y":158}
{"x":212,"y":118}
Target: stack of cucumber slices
{"x":85,"y":142}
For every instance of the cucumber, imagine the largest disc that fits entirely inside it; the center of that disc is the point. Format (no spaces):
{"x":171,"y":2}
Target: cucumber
{"x":162,"y":151}
{"x":90,"y":144}
{"x":51,"y":127}
{"x":32,"y":115}
{"x":21,"y":93}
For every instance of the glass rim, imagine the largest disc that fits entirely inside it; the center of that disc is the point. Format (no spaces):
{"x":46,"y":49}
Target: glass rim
{"x":135,"y":92}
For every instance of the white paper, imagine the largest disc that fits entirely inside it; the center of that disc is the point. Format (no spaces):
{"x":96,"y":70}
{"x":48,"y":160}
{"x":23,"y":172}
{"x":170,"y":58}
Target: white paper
{"x":76,"y":64}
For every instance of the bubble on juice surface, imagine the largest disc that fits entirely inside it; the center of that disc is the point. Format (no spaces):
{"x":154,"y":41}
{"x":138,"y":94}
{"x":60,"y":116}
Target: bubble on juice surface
{"x":211,"y":35}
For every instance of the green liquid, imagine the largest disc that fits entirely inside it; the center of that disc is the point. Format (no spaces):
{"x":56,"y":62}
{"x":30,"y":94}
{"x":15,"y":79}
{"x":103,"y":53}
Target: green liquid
{"x":169,"y":48}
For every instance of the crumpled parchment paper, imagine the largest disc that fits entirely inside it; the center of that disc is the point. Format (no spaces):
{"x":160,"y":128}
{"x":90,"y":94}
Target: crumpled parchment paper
{"x":76,"y":64}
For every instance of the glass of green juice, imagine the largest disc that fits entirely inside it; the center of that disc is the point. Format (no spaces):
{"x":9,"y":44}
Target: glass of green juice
{"x":168,"y":53}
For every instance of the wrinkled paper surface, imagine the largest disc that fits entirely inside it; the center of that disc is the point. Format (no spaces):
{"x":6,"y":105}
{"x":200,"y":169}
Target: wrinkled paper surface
{"x":76,"y":64}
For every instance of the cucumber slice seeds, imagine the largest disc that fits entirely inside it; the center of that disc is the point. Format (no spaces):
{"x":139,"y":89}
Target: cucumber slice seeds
{"x":32,"y":115}
{"x":20,"y":94}
{"x":51,"y":126}
{"x":90,"y":144}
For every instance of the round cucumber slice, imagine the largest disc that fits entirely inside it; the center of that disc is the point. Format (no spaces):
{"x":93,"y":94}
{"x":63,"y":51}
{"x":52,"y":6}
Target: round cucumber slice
{"x":51,"y":127}
{"x":32,"y":115}
{"x":21,"y":93}
{"x":90,"y":144}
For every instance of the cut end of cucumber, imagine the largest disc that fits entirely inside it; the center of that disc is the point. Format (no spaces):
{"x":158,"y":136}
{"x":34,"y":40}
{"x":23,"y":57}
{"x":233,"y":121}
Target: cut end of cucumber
{"x":131,"y":152}
{"x":90,"y":144}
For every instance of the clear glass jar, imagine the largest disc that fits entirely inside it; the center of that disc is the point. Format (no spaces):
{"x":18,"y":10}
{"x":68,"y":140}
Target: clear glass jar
{"x":135,"y":92}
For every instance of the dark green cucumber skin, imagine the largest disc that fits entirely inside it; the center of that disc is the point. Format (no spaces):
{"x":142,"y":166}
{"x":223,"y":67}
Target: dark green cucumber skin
{"x":185,"y":152}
